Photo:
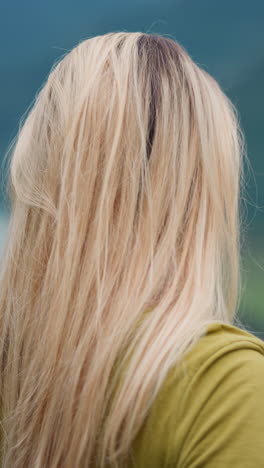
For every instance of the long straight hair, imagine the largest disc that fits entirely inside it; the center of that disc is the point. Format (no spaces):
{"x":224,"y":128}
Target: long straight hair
{"x":123,"y":246}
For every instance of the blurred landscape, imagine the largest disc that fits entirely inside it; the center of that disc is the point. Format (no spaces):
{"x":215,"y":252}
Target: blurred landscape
{"x":225,"y":38}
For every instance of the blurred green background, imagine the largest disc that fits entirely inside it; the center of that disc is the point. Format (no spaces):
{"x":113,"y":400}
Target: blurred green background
{"x":224,"y":37}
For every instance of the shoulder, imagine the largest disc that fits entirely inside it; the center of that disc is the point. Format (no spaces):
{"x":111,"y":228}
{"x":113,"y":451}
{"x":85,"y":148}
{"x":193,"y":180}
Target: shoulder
{"x":209,"y":412}
{"x":222,"y":347}
{"x":215,"y":396}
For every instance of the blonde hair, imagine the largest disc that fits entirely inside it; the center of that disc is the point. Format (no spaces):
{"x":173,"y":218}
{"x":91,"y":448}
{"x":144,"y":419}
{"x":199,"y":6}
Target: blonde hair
{"x":123,"y":246}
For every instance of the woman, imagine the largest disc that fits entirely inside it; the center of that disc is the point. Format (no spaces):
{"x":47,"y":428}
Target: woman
{"x":120,"y":280}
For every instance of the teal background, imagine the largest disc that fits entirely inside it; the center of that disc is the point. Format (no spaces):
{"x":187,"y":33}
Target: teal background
{"x":224,"y":37}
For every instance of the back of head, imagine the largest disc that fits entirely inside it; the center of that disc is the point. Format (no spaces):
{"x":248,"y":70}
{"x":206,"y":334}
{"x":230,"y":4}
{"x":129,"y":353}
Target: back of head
{"x":123,"y":245}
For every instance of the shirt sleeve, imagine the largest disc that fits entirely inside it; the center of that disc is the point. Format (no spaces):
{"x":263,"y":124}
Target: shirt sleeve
{"x":222,"y":413}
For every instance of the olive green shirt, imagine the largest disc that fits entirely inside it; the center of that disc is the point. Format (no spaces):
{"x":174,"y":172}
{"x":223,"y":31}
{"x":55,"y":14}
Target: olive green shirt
{"x":212,"y":415}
